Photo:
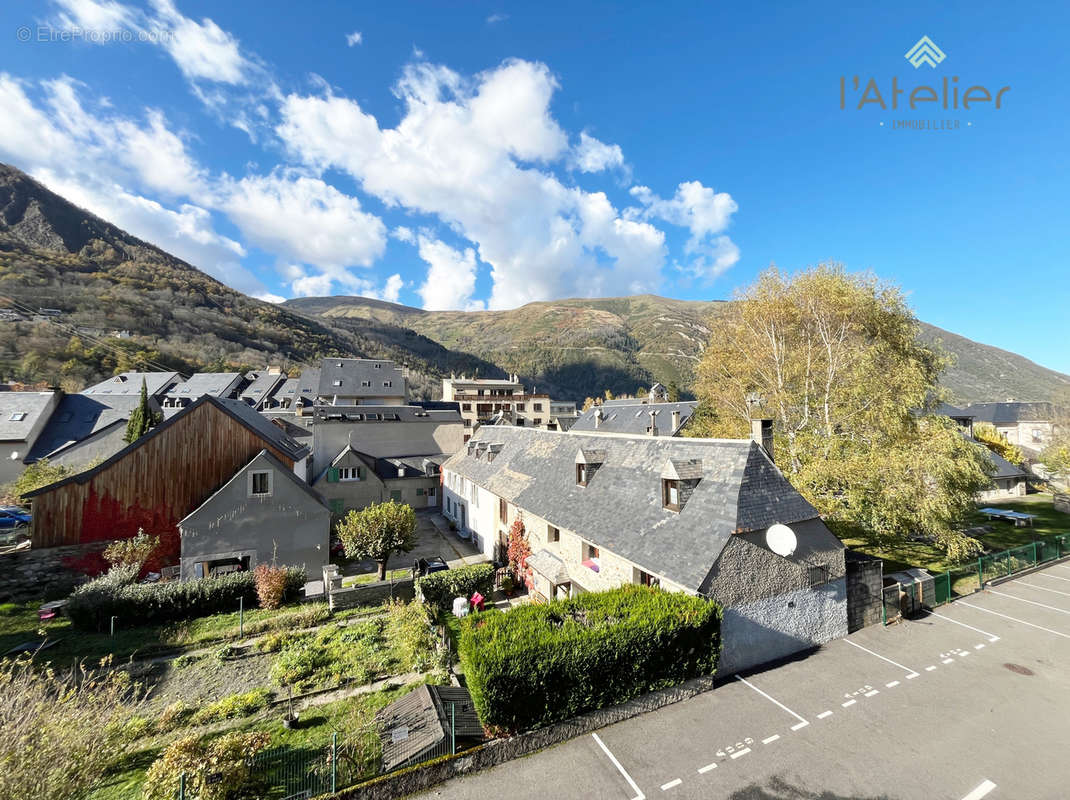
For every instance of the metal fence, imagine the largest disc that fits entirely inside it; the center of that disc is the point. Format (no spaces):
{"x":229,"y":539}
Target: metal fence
{"x":944,"y":587}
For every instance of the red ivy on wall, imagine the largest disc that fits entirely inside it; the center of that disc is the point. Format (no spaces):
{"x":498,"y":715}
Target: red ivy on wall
{"x":519,"y":550}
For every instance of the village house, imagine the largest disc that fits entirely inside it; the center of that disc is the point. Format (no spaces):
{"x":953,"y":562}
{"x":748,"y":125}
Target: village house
{"x":157,"y":385}
{"x":224,"y":385}
{"x":705,"y":516}
{"x":635,"y":417}
{"x":493,"y":401}
{"x":23,"y":417}
{"x":264,"y":514}
{"x":360,"y":382}
{"x":157,"y":481}
{"x":1028,"y":425}
{"x":262,"y":386}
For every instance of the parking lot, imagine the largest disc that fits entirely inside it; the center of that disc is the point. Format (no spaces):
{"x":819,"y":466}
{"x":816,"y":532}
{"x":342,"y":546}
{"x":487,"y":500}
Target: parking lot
{"x":967,"y":702}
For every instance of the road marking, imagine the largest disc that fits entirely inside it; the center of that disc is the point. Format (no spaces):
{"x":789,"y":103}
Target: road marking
{"x":882,"y":658}
{"x":1013,"y":619}
{"x":980,"y":791}
{"x":948,"y":661}
{"x":930,"y":668}
{"x":707,"y":768}
{"x":891,"y":685}
{"x":666,"y":786}
{"x":912,"y":675}
{"x":978,"y":646}
{"x":991,"y":636}
{"x":824,"y":714}
{"x":739,"y":753}
{"x":1046,"y":575}
{"x":638,"y":793}
{"x":963,"y":653}
{"x":872,"y":692}
{"x":771,"y":739}
{"x":1031,"y":602}
{"x":1041,"y":588}
{"x":848,"y":703}
{"x":767,"y":697}
{"x":798,"y":725}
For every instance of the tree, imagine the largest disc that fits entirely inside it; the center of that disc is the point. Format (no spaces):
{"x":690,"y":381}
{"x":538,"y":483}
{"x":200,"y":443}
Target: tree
{"x":519,"y":550}
{"x":835,"y":361}
{"x":379,"y":531}
{"x":61,"y":730}
{"x":986,"y":434}
{"x":216,"y":769}
{"x":38,"y":474}
{"x":143,"y":418}
{"x":133,"y":552}
{"x":674,"y":392}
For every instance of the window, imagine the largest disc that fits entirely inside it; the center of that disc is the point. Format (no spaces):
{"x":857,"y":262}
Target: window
{"x":18,"y":416}
{"x":337,"y":383}
{"x":818,"y":575}
{"x":388,"y":384}
{"x":670,"y":494}
{"x":537,"y":406}
{"x":552,"y":534}
{"x":366,"y":383}
{"x":503,"y":510}
{"x":396,"y":495}
{"x":431,"y":491}
{"x":581,"y":474}
{"x":646,"y":579}
{"x":537,"y":421}
{"x":350,"y":473}
{"x":591,"y":554}
{"x":519,"y":406}
{"x":260,"y":483}
{"x":466,"y":406}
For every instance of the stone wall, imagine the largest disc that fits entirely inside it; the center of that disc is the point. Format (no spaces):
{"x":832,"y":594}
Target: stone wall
{"x":865,"y":579}
{"x":1062,"y":503}
{"x":46,"y":573}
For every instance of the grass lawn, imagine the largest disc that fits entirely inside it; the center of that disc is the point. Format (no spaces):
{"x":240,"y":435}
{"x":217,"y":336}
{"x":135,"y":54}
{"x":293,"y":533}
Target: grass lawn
{"x":373,"y":577}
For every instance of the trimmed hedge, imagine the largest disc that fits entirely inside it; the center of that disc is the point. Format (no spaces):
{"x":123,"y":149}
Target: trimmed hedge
{"x":537,"y":664}
{"x":93,"y":604}
{"x":439,"y":588}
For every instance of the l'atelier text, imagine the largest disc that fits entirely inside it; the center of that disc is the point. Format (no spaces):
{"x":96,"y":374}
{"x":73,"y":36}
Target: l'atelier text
{"x":948,"y":95}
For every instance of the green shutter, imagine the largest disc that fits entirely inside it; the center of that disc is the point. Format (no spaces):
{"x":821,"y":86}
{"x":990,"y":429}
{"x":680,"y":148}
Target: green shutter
{"x":419,"y":492}
{"x":360,"y":473}
{"x":332,"y":474}
{"x":395,"y":496}
{"x":336,"y":507}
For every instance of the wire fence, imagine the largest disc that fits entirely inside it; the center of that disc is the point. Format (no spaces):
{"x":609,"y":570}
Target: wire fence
{"x":944,"y":587}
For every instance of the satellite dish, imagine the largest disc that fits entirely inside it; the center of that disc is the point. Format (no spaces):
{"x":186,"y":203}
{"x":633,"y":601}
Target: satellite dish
{"x":781,"y":540}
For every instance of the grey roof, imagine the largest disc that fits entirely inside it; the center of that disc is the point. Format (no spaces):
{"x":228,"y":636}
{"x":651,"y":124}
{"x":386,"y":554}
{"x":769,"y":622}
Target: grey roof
{"x":282,"y":469}
{"x":415,"y":466}
{"x":216,"y":384}
{"x":385,"y":414}
{"x":262,"y":386}
{"x":549,"y":566}
{"x":79,"y":416}
{"x":127,"y":383}
{"x":20,"y":411}
{"x":621,"y":507}
{"x":244,"y":414}
{"x":360,"y":377}
{"x":288,"y":390}
{"x":417,"y":722}
{"x":1012,"y":412}
{"x":308,"y":384}
{"x":948,"y":410}
{"x":634,"y":417}
{"x":1004,"y":468}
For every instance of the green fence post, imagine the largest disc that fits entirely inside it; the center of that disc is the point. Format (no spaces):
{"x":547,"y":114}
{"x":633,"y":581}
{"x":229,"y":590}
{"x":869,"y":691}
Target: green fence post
{"x":980,"y":574}
{"x":947,"y":598}
{"x":1035,"y":559}
{"x":334,"y":761}
{"x":241,"y":617}
{"x":453,"y":729}
{"x":182,"y":786}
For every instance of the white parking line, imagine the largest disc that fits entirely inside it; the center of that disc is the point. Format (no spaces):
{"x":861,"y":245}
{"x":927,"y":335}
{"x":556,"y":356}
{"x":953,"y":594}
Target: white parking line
{"x":978,"y":646}
{"x":872,"y":692}
{"x":882,"y":658}
{"x":771,"y":739}
{"x":849,"y":703}
{"x":1013,"y":619}
{"x":635,"y":788}
{"x":1041,"y":588}
{"x":824,"y":714}
{"x":773,"y":700}
{"x":666,"y":786}
{"x":739,"y":753}
{"x":1031,"y":602}
{"x":799,"y":725}
{"x":930,"y":668}
{"x":948,"y":661}
{"x":891,"y":685}
{"x":991,"y":636}
{"x":980,"y":791}
{"x":1046,"y":575}
{"x":707,"y":768}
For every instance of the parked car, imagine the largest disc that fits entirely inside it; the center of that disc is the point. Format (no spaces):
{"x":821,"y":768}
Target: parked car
{"x":14,"y":517}
{"x":425,"y":566}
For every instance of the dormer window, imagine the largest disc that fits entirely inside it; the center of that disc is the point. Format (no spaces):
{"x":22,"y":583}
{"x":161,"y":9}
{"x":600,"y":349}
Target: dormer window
{"x":678,"y":481}
{"x":587,"y":463}
{"x":670,"y":494}
{"x":388,"y":384}
{"x":581,"y":474}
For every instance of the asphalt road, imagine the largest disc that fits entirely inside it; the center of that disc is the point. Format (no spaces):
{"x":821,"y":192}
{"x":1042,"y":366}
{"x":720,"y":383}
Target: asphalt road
{"x":969,"y":702}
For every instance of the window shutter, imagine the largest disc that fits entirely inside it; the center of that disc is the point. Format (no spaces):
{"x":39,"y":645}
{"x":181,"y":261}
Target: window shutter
{"x":336,"y":507}
{"x":360,"y":473}
{"x":332,"y":475}
{"x":419,"y":492}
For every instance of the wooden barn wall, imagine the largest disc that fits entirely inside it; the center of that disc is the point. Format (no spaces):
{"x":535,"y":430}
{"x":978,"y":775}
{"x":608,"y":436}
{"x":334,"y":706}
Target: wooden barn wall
{"x":152,"y":487}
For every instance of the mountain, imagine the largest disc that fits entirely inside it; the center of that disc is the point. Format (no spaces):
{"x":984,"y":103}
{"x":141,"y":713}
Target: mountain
{"x":55,"y":255}
{"x":578,"y":348}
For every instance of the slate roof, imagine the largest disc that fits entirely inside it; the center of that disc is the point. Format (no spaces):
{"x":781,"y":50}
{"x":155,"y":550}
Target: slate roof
{"x":1012,"y":412}
{"x":20,"y":411}
{"x":621,"y":507}
{"x":129,"y":383}
{"x":386,"y":414}
{"x":1004,"y":468}
{"x":79,"y":416}
{"x":352,"y":373}
{"x":948,"y":410}
{"x":417,"y":722}
{"x":308,"y":384}
{"x":216,"y":384}
{"x":262,"y":386}
{"x":288,"y":390}
{"x":634,"y":417}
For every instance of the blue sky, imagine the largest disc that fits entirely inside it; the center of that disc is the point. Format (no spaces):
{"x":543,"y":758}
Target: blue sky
{"x":484,"y":155}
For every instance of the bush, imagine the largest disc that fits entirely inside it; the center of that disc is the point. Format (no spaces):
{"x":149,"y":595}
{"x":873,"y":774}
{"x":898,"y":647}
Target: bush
{"x":439,"y":588}
{"x":226,"y":760}
{"x":538,"y":664}
{"x":134,"y":551}
{"x":113,"y":594}
{"x":174,"y":716}
{"x":234,"y":705}
{"x":270,"y":585}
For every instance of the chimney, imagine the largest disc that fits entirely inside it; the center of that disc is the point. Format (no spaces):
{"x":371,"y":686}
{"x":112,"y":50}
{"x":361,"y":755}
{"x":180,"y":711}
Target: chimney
{"x":597,"y":417}
{"x":675,"y":420}
{"x":653,"y":429}
{"x":761,"y":433}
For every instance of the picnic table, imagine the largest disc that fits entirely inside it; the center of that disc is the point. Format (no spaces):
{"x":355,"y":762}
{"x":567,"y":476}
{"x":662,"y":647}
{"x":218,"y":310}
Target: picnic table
{"x":1019,"y":518}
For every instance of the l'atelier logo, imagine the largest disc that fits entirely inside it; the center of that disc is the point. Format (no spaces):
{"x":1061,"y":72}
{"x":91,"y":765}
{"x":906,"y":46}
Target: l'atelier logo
{"x":925,"y":51}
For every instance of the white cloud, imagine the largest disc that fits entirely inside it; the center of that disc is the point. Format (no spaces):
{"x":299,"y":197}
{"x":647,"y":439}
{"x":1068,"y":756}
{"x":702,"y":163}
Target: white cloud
{"x":451,"y":277}
{"x":202,"y":50}
{"x":392,"y":288}
{"x":404,"y":234}
{"x":95,"y":15}
{"x":493,"y":19}
{"x":475,"y":154}
{"x":591,"y":155}
{"x":354,"y":38}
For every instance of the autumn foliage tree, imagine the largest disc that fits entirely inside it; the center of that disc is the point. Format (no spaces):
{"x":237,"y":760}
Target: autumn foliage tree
{"x":379,"y":531}
{"x":835,"y":360}
{"x":519,"y":550}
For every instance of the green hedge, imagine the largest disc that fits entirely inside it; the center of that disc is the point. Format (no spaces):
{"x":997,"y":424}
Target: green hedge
{"x":92,"y":605}
{"x":538,"y":664}
{"x":439,"y":588}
